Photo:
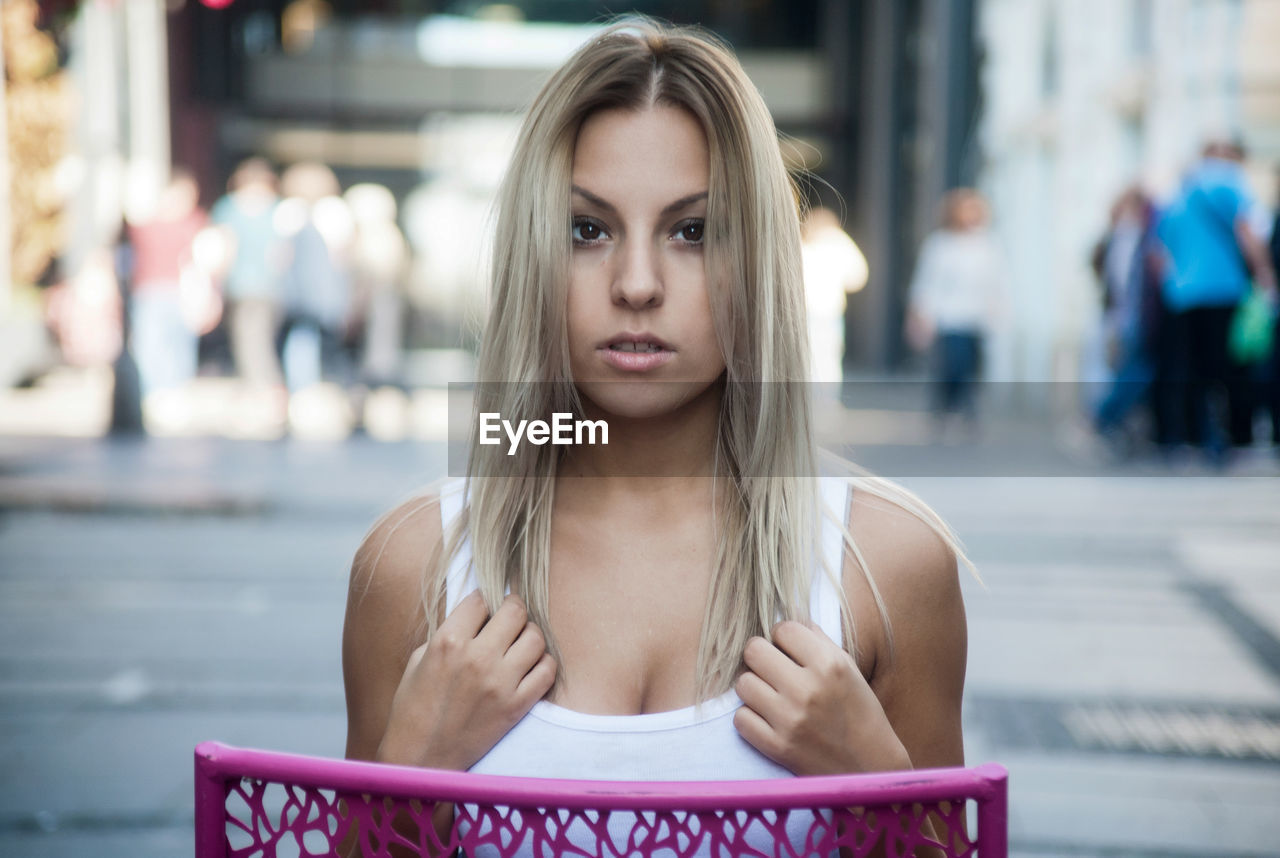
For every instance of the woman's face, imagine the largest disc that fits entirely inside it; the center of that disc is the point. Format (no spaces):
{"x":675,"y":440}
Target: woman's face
{"x":641,"y":336}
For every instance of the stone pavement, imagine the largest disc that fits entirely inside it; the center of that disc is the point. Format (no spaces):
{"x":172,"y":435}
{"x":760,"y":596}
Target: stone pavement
{"x":1124,"y":658}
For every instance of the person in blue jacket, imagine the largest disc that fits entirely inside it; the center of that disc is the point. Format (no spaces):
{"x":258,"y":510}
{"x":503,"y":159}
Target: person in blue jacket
{"x":1215,"y":258}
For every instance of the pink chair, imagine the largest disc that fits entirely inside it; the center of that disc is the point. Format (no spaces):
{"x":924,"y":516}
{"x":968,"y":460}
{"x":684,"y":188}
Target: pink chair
{"x":260,"y":804}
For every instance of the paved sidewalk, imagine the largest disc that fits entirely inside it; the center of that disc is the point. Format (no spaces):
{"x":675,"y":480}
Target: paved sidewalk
{"x":1124,"y":659}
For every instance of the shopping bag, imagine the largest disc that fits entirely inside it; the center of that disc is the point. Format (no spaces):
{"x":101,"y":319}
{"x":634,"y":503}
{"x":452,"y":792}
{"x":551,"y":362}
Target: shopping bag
{"x":1252,"y":328}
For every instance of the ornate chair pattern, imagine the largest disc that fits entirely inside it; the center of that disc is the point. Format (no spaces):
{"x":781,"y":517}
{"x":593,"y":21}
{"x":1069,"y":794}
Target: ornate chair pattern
{"x":260,"y":804}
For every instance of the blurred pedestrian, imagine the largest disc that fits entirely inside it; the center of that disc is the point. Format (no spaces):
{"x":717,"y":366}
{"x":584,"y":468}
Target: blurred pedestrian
{"x":375,"y":325}
{"x":1129,"y":263}
{"x":956,"y":299}
{"x":379,"y":259}
{"x":172,"y":301}
{"x":84,"y":312}
{"x":834,"y":268}
{"x":246,"y":217}
{"x":1272,"y":376}
{"x":316,"y":282}
{"x":1214,"y":254}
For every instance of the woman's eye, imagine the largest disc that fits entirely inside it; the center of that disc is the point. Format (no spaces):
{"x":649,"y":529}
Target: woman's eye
{"x":586,"y":231}
{"x":690,"y":232}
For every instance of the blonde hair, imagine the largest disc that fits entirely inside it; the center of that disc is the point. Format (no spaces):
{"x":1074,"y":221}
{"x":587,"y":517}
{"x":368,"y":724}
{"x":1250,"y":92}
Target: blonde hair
{"x":768,"y":538}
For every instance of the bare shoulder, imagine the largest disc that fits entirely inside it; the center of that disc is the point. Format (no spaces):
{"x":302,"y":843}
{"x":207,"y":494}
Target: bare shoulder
{"x":395,"y":554}
{"x":911,"y":563}
{"x":384,"y":618}
{"x":918,"y":661}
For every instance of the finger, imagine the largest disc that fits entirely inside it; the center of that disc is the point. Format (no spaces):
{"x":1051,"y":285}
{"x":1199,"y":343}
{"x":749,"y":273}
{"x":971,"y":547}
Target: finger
{"x":524,"y":653}
{"x":804,"y":645}
{"x":467,"y":618}
{"x":757,"y":732}
{"x":760,"y":696}
{"x":538,"y":681}
{"x":504,"y":626}
{"x":773,"y":666}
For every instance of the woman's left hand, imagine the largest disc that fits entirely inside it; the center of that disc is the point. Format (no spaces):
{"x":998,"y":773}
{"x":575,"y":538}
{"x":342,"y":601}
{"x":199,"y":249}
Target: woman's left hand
{"x":809,"y":709}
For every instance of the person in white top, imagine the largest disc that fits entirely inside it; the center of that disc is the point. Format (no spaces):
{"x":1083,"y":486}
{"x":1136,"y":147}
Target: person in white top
{"x":956,"y":299}
{"x":692,"y":577}
{"x":834,"y":268}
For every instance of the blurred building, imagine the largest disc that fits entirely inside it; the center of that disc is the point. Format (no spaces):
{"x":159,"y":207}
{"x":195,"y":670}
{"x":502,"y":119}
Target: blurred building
{"x":1083,"y":97}
{"x":876,"y":98}
{"x":1049,"y":106}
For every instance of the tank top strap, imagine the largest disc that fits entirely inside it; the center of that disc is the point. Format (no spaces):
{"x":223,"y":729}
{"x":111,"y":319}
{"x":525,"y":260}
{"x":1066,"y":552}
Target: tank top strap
{"x":461,"y":577}
{"x":824,"y":599}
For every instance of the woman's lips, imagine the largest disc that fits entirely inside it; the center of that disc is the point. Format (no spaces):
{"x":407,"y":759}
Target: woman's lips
{"x":635,"y":361}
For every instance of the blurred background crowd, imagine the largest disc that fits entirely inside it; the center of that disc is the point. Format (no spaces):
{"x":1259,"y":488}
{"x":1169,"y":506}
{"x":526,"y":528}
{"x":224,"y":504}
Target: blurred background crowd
{"x":255,"y":218}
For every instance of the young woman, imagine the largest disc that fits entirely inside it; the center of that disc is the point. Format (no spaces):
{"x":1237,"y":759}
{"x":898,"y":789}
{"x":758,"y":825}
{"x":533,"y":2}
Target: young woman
{"x":687,"y":601}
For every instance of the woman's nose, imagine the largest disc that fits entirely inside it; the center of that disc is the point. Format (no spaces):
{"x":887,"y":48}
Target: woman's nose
{"x":638,"y":281}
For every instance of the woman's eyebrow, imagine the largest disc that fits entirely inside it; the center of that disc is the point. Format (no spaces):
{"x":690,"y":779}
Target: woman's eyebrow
{"x":595,"y":200}
{"x":668,"y":209}
{"x":684,"y":201}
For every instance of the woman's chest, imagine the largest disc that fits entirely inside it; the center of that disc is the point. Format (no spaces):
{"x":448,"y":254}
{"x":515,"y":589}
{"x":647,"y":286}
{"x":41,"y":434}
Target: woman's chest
{"x":626,"y":611}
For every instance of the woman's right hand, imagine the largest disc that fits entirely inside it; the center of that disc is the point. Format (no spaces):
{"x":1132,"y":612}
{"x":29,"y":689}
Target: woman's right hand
{"x":467,"y":686}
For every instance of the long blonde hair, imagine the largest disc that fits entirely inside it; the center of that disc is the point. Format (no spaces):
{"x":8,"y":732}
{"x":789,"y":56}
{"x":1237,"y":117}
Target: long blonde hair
{"x":765,"y":451}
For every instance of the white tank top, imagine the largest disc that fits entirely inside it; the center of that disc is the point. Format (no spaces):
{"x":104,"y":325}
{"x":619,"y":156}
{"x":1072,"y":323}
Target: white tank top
{"x":694,"y":743}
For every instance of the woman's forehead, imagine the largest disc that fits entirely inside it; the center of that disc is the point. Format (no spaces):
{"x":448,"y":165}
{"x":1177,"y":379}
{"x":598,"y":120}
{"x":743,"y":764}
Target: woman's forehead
{"x":647,"y":154}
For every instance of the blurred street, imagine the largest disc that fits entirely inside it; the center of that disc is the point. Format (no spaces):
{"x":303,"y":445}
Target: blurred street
{"x":1124,"y":654}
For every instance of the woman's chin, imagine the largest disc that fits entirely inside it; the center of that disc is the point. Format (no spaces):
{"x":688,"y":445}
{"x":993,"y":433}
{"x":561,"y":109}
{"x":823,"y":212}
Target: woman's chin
{"x":642,"y":399}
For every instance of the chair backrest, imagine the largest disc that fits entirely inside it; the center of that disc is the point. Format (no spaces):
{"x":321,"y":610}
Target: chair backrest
{"x":261,"y":804}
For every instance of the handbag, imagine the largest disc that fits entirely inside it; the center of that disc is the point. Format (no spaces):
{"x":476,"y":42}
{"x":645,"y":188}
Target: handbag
{"x":1250,"y":338}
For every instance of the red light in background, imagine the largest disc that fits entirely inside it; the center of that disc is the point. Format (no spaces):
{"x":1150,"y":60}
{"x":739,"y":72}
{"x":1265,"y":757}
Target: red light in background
{"x":217,"y":4}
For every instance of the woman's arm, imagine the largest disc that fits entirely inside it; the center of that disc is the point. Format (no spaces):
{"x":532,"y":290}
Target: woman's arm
{"x":810,"y":708}
{"x":384,"y":610}
{"x":919,"y":679}
{"x":492,"y":668}
{"x":384,"y":613}
{"x":443,"y":702}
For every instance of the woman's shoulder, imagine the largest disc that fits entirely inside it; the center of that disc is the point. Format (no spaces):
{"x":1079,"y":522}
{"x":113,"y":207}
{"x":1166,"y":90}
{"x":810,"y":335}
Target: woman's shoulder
{"x":903,"y":540}
{"x":911,"y":560}
{"x":393,"y":566}
{"x":915,"y":664}
{"x":385,"y":618}
{"x":401,"y":536}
